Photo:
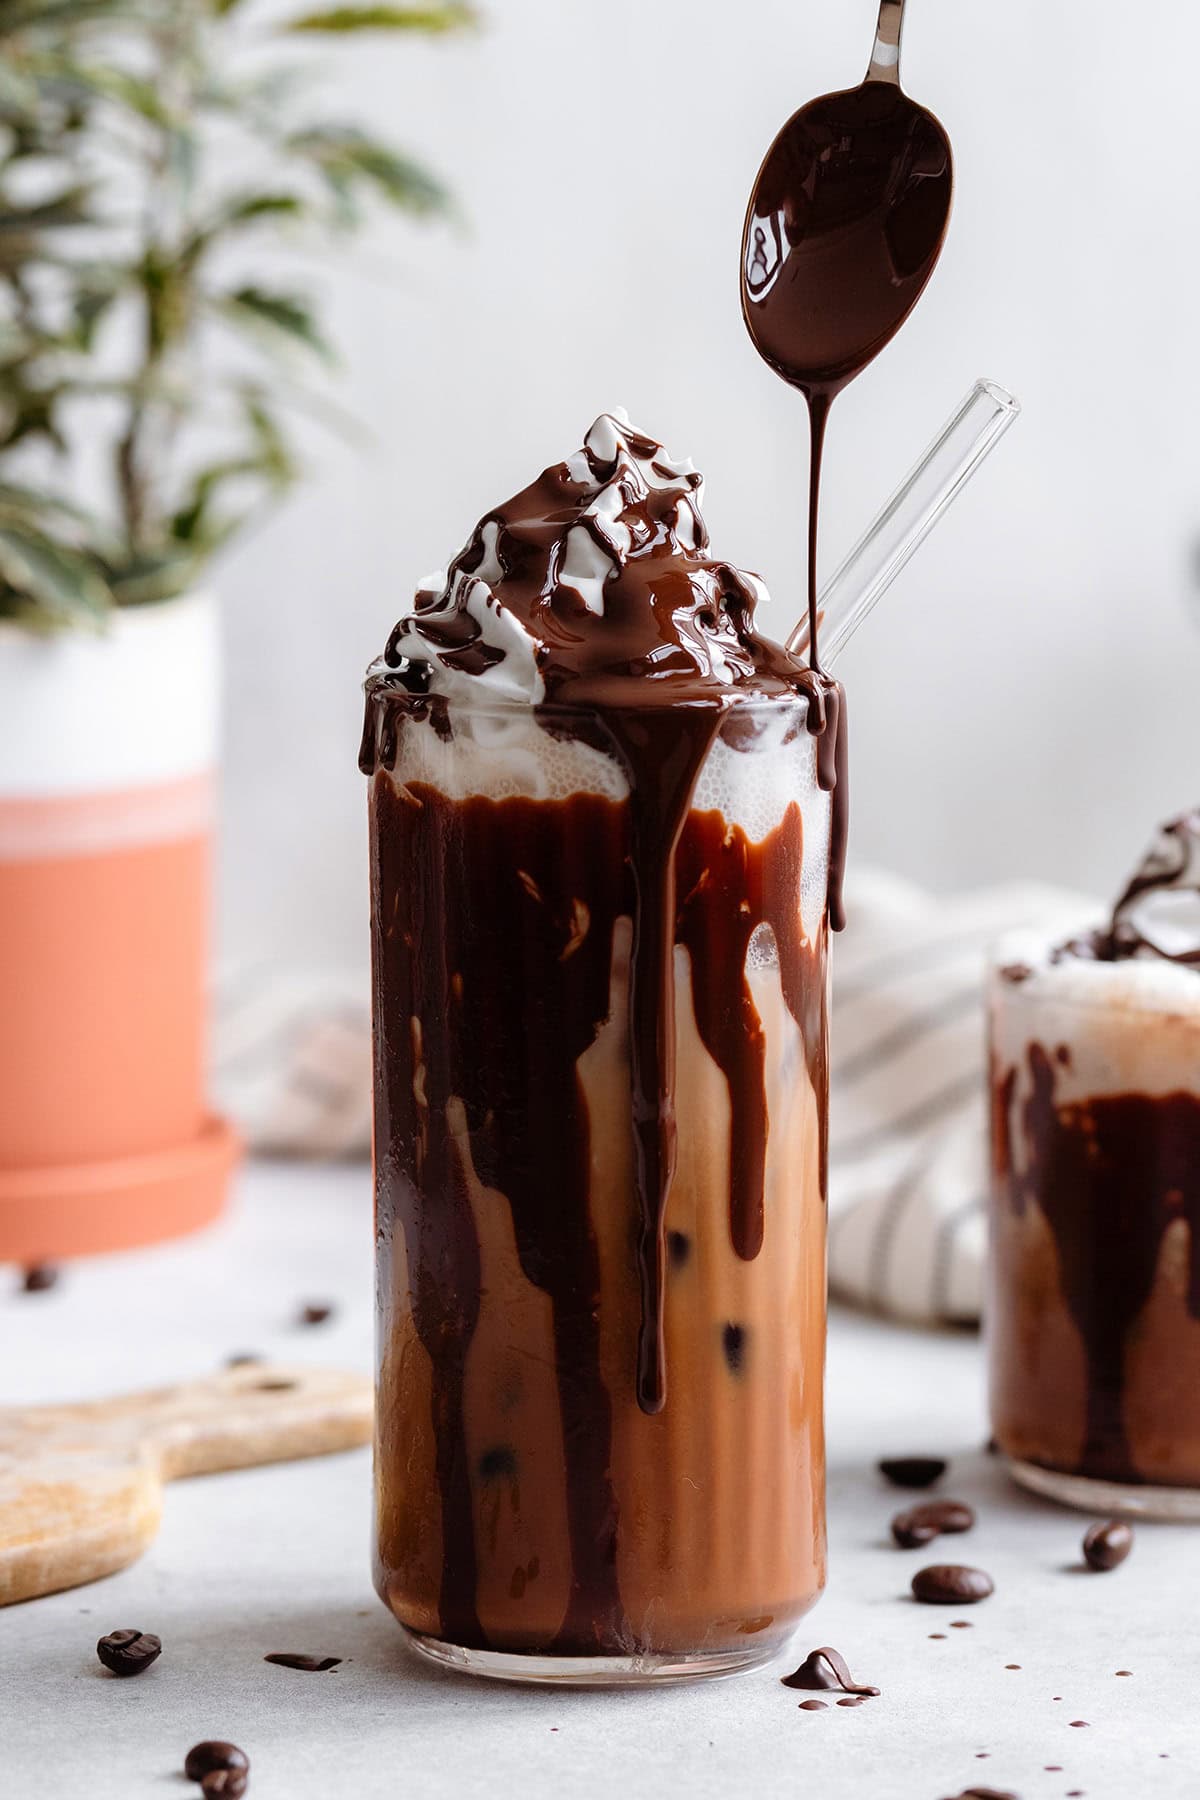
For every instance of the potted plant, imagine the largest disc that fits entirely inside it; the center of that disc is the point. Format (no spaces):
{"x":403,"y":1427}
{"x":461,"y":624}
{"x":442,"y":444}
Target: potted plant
{"x":147,"y":380}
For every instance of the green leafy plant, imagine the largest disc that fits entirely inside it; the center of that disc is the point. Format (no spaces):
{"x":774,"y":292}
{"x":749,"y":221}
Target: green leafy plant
{"x":147,"y":148}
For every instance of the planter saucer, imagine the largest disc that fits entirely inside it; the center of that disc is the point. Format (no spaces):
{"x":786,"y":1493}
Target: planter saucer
{"x":83,"y":1208}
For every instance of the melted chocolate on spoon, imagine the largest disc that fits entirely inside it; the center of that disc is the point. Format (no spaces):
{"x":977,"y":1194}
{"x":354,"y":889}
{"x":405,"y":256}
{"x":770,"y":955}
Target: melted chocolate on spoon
{"x":844,"y":228}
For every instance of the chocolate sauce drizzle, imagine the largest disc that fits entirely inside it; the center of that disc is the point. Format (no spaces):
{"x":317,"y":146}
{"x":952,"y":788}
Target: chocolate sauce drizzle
{"x":1110,"y":1175}
{"x":632,"y":638}
{"x":1171,"y":867}
{"x":842,"y":234}
{"x":519,"y":990}
{"x":649,"y":672}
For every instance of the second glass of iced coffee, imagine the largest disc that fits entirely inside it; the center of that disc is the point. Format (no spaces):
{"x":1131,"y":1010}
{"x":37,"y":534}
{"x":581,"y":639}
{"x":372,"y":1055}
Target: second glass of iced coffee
{"x":602,"y":807}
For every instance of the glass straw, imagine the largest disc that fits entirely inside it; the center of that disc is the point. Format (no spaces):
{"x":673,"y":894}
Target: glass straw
{"x":909,"y":516}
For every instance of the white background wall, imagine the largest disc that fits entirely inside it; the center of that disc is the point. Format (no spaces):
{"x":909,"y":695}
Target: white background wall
{"x":1026,"y":700}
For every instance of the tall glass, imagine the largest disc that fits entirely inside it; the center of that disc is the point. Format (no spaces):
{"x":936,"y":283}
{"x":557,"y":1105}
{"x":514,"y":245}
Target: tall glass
{"x":539,"y":1514}
{"x":1094,"y":1312}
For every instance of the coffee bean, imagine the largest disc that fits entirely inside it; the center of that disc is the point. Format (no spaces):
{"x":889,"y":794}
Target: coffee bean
{"x":213,"y":1754}
{"x":128,"y":1652}
{"x":826,"y":1668}
{"x":1108,"y":1544}
{"x":39,"y":1278}
{"x":922,"y":1523}
{"x":978,"y":1793}
{"x":912,"y":1471}
{"x":292,"y":1659}
{"x":951,"y":1584}
{"x":224,"y":1784}
{"x":316,"y":1312}
{"x":1079,"y":1723}
{"x":909,"y":1534}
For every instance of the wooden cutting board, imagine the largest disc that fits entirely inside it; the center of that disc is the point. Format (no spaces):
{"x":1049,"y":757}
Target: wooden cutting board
{"x":81,"y":1486}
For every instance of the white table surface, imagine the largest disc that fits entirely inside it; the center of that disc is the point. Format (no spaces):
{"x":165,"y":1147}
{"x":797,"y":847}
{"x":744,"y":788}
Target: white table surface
{"x":277,"y":1560}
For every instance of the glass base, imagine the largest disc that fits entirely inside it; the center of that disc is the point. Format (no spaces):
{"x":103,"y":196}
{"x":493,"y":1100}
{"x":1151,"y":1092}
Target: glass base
{"x":1135,"y":1502}
{"x":590,"y":1671}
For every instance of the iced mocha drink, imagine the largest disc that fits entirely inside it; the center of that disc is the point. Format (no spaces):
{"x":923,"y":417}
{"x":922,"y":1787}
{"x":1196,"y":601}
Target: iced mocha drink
{"x":1095,"y":1288}
{"x":601,"y":826}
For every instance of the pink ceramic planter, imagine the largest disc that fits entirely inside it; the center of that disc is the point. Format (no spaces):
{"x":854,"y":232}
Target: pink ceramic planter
{"x":107,"y":760}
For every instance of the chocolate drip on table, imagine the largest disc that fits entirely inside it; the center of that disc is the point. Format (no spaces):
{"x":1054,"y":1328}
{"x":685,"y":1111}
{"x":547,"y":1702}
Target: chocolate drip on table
{"x":1110,"y":1174}
{"x":519,"y":992}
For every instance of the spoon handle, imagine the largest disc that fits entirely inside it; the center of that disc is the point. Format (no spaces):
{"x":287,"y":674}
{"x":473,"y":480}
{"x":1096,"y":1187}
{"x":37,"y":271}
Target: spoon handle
{"x":885,"y":57}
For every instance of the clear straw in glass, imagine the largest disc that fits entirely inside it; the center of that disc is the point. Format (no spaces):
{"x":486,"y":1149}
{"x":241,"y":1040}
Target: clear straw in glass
{"x":909,"y":516}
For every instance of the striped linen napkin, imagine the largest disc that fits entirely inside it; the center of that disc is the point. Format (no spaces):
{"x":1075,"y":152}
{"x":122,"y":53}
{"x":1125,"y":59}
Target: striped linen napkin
{"x":908,"y":1105}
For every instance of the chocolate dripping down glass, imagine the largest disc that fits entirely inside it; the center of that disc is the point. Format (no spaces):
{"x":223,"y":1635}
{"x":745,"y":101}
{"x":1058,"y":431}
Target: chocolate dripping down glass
{"x":600,"y":989}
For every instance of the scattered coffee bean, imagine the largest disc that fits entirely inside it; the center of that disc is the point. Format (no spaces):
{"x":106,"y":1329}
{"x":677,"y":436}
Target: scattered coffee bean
{"x":1054,"y":1768}
{"x":826,"y":1668}
{"x":1107,"y":1544}
{"x":912,"y":1471}
{"x":961,"y":1624}
{"x":292,"y":1659}
{"x":920,"y":1524}
{"x":213,"y":1754}
{"x":316,"y":1312}
{"x":39,"y":1278}
{"x":1079,"y":1722}
{"x":224,"y":1784}
{"x":951,"y":1584}
{"x":978,"y":1793}
{"x":1012,"y":1665}
{"x":938,"y":1634}
{"x":1124,"y":1671}
{"x":812,"y":1706}
{"x":909,"y":1534}
{"x":128,"y":1652}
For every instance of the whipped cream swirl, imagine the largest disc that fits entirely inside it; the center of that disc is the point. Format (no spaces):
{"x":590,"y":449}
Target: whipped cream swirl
{"x":1159,"y":912}
{"x":596,"y":575}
